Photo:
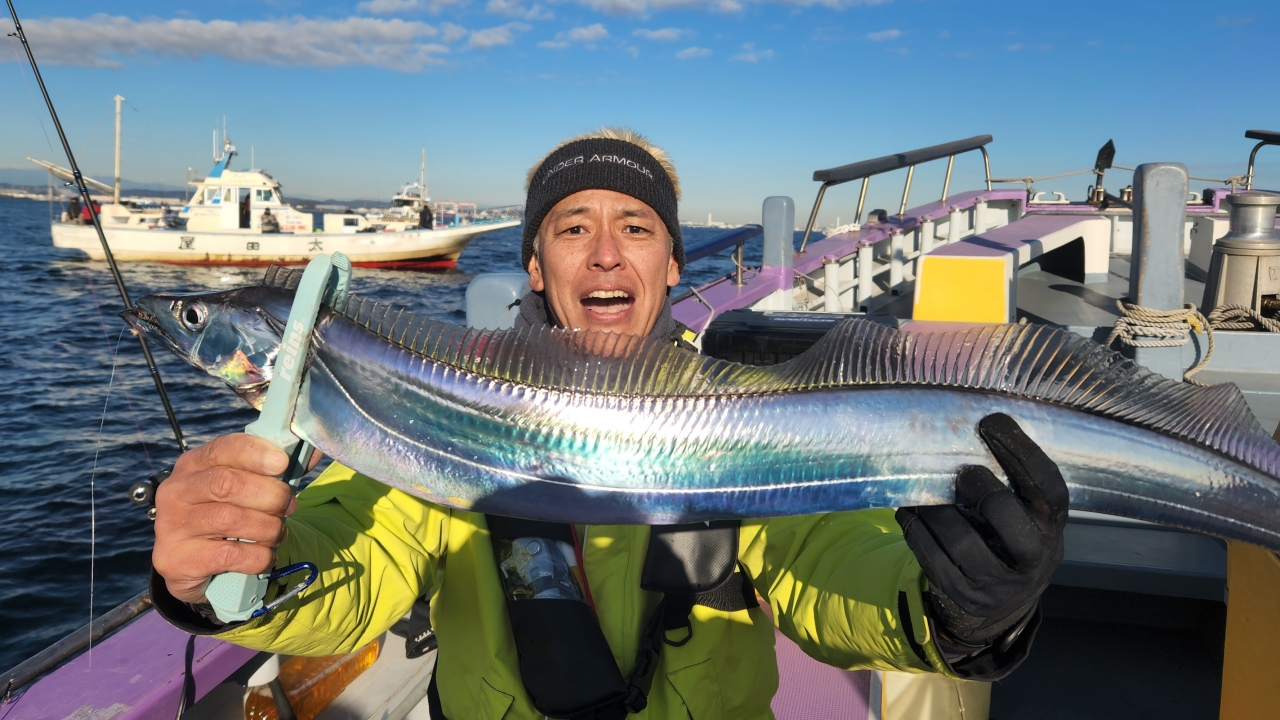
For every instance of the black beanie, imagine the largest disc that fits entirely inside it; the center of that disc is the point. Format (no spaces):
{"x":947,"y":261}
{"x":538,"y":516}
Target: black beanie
{"x":600,"y":164}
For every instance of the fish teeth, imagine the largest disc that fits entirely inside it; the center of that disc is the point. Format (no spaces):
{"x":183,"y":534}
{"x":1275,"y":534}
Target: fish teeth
{"x":608,"y":294}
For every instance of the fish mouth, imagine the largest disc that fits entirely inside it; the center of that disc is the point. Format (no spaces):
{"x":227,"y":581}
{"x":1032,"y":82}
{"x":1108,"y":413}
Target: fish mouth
{"x":142,"y":322}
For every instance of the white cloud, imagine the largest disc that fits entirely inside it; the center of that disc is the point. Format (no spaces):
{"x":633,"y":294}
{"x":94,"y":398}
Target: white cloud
{"x":395,"y":7}
{"x":590,"y":33}
{"x":452,"y":33}
{"x":105,"y":41}
{"x":633,"y":51}
{"x":890,"y":34}
{"x":587,"y":35}
{"x":516,"y":8}
{"x":647,"y":7}
{"x":1014,"y":47}
{"x":690,"y":53}
{"x":751,"y":54}
{"x":664,"y":34}
{"x":495,"y":36}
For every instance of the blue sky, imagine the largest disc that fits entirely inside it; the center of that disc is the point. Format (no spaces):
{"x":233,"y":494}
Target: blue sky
{"x":749,"y":96}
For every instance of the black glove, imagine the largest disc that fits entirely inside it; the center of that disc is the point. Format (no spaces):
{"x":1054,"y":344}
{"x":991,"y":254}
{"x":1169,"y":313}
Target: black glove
{"x":990,"y":556}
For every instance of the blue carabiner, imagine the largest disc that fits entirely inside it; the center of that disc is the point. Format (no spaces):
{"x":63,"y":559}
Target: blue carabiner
{"x":312,"y":573}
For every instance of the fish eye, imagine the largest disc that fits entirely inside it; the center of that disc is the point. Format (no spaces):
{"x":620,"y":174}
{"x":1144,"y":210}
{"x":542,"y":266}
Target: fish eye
{"x":193,"y":317}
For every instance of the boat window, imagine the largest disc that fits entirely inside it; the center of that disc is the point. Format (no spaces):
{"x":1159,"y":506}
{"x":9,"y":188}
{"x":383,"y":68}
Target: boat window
{"x":263,"y":195}
{"x":210,"y":195}
{"x":228,"y":194}
{"x":350,"y":222}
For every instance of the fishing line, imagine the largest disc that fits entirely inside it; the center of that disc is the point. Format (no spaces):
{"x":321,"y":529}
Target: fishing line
{"x":31,"y":96}
{"x":93,"y":474}
{"x":106,"y":337}
{"x":96,"y":126}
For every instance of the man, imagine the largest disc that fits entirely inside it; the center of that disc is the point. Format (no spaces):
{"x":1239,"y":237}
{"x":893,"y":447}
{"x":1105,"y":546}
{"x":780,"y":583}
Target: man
{"x":85,"y":217}
{"x":73,"y":211}
{"x":268,"y":222}
{"x":951,"y":589}
{"x":426,"y":220}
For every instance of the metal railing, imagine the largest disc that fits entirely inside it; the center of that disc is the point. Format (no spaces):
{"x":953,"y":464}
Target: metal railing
{"x":865,"y":169}
{"x":1265,"y":137}
{"x":713,"y":245}
{"x":50,"y":657}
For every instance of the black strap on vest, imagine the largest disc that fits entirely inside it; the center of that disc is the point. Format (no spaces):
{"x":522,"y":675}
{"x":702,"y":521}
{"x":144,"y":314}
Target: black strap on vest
{"x":565,"y":662}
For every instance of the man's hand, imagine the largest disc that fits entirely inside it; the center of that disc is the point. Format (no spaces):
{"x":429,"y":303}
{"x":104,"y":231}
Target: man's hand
{"x":990,"y":556}
{"x":226,"y":489}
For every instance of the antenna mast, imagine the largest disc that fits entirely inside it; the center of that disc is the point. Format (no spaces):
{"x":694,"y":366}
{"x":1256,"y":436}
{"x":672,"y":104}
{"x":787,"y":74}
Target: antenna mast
{"x":116,"y":193}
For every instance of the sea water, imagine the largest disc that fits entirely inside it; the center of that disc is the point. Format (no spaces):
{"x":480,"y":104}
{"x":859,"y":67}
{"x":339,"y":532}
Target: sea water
{"x":59,"y":335}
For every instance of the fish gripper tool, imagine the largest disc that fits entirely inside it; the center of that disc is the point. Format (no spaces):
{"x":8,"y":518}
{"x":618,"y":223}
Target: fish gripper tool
{"x":236,"y":597}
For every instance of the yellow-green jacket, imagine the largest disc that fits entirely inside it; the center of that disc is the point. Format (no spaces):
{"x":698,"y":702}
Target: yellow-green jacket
{"x":833,"y":582}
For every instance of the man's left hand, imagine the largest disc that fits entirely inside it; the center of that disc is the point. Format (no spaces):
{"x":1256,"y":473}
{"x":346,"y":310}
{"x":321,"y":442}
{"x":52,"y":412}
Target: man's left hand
{"x":989,"y":557}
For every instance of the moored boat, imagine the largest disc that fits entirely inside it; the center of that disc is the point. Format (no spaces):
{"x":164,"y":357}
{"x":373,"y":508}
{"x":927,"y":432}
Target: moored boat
{"x":238,"y":217}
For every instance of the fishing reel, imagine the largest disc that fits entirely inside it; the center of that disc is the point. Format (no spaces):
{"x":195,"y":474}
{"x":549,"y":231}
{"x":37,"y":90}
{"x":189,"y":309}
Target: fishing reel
{"x":143,"y":492}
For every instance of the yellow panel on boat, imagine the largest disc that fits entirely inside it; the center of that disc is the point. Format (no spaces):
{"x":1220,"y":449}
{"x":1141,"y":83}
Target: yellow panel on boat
{"x":964,"y":289}
{"x":1249,"y":687}
{"x":929,"y":696}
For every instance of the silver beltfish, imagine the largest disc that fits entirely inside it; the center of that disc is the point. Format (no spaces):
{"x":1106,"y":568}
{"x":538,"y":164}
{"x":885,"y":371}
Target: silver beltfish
{"x":600,"y":428}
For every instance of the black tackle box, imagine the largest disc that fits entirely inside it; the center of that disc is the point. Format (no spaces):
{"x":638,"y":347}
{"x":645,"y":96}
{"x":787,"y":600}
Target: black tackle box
{"x":755,"y":337}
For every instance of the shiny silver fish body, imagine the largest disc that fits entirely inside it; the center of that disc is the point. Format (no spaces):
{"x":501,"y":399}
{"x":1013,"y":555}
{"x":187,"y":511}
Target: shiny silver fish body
{"x":508,"y":449}
{"x":580,"y":427}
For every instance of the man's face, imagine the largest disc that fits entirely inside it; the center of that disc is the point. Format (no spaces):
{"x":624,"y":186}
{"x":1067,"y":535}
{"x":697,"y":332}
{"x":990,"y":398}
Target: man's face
{"x":604,"y":262}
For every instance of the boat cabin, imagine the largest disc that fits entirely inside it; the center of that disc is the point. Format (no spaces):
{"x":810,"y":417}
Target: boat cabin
{"x":229,"y":200}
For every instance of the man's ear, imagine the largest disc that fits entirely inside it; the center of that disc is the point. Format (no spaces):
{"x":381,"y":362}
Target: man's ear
{"x":536,"y":283}
{"x":673,"y":272}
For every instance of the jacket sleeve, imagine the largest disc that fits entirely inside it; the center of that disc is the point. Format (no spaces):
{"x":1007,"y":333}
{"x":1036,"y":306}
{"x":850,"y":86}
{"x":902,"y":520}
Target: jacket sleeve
{"x":378,"y":549}
{"x":845,"y":587}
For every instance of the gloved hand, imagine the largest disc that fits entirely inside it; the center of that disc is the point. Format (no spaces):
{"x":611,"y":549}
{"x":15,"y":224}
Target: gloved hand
{"x":990,"y":556}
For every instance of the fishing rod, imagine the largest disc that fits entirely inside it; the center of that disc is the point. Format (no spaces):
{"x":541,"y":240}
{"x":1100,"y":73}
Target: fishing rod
{"x":97,"y":226}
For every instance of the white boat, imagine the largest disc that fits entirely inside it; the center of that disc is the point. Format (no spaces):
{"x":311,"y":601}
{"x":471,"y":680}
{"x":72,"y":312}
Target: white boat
{"x":222,"y":225}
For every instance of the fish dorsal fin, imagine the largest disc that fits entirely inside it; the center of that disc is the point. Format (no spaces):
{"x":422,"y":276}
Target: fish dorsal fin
{"x":554,"y":358}
{"x":1040,"y":363}
{"x":281,"y":277}
{"x":1034,"y":362}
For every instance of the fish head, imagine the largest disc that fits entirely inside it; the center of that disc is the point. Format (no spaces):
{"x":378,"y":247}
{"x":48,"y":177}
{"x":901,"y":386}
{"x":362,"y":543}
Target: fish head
{"x":233,"y":335}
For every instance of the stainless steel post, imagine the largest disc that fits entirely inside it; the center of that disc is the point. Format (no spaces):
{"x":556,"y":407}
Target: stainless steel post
{"x":862,"y":199}
{"x":1248,"y":178}
{"x":946,"y":183}
{"x":906,"y":191}
{"x":813,"y":216}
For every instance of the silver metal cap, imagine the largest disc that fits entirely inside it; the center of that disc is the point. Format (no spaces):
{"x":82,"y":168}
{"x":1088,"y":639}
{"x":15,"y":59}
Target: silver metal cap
{"x":1253,"y":222}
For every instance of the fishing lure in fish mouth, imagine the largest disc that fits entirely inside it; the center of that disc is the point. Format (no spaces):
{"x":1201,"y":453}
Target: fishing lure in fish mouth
{"x":587,"y":427}
{"x":230,"y":337}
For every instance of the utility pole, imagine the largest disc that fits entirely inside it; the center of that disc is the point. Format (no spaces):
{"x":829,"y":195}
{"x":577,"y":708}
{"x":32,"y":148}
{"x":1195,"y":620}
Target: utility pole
{"x":116,"y":197}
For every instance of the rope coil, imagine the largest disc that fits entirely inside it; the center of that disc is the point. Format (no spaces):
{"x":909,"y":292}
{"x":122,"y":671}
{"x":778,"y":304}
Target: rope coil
{"x":1239,"y":317}
{"x":1143,"y":327}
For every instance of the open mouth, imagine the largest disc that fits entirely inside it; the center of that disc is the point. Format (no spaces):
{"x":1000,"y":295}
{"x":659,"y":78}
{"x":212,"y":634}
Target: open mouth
{"x":608,"y":302}
{"x":142,"y":322}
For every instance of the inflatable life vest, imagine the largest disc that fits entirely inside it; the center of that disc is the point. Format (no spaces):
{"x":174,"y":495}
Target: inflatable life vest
{"x":566,"y":665}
